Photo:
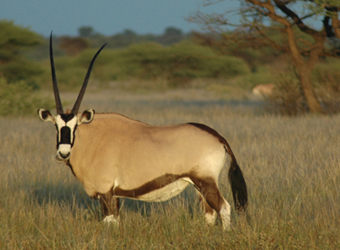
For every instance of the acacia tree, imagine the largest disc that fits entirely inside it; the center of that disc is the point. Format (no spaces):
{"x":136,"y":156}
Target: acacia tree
{"x":304,"y":43}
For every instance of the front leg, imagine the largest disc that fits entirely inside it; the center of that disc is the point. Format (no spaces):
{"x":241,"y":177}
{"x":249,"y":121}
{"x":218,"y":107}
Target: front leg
{"x":110,"y":207}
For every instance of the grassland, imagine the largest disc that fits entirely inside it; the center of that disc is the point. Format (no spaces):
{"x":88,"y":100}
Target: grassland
{"x":291,"y":166}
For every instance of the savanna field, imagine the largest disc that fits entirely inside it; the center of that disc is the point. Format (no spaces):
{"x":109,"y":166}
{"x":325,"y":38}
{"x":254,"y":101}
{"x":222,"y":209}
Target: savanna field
{"x":291,"y":166}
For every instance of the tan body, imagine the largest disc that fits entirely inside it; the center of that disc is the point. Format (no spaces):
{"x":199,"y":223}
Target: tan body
{"x":133,"y":153}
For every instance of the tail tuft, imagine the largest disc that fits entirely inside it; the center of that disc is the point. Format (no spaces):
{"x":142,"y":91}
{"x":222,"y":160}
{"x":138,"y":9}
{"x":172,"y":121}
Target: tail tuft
{"x":238,"y":186}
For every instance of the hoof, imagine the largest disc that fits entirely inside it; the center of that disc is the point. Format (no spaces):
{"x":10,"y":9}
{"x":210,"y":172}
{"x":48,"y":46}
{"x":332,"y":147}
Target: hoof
{"x":111,"y":220}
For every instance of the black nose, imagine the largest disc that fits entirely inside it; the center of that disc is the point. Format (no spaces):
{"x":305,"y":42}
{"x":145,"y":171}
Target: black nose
{"x":64,"y":156}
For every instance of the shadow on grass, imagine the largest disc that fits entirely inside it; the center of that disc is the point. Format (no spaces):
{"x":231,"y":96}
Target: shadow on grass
{"x":73,"y":195}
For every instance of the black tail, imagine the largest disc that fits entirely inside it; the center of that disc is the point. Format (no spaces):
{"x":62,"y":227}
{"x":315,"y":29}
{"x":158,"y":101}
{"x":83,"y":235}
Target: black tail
{"x":238,"y":184}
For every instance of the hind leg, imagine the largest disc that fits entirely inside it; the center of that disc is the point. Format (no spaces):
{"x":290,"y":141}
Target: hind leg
{"x":209,"y":213}
{"x":110,"y":208}
{"x":225,"y":215}
{"x":214,"y":199}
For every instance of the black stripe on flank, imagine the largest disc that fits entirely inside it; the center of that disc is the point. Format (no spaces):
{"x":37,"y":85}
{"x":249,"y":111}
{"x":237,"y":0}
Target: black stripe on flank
{"x":148,"y":187}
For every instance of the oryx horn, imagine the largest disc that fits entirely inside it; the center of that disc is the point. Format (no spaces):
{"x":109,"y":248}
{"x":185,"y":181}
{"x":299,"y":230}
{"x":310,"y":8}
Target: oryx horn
{"x":83,"y":87}
{"x":58,"y":104}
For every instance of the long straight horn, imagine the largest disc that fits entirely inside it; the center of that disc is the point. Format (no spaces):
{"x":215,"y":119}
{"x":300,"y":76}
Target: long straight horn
{"x":58,"y":104}
{"x":83,"y":87}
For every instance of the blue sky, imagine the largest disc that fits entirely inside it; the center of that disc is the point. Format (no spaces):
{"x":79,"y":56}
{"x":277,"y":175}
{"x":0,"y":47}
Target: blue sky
{"x":107,"y":17}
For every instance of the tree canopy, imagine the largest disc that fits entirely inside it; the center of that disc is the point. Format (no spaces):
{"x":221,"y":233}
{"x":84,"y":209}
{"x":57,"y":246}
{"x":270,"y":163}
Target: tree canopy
{"x":295,"y":21}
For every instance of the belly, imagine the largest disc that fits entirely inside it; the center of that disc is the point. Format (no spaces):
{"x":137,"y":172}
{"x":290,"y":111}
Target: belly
{"x":157,"y":195}
{"x":165,"y":193}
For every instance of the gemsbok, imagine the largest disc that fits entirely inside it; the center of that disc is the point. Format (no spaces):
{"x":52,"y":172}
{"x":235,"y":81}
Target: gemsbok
{"x":115,"y":157}
{"x":263,"y":90}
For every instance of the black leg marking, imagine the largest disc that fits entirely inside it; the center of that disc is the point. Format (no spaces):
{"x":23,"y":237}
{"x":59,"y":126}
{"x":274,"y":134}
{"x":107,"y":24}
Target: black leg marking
{"x":206,"y":208}
{"x":209,"y":213}
{"x":109,"y":204}
{"x":213,"y":197}
{"x":208,"y":188}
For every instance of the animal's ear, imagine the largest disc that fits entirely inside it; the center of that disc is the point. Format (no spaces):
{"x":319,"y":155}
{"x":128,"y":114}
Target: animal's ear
{"x":45,"y":115}
{"x":86,"y":117}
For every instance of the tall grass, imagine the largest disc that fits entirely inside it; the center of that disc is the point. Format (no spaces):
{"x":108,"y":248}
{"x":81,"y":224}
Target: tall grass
{"x":291,"y":166}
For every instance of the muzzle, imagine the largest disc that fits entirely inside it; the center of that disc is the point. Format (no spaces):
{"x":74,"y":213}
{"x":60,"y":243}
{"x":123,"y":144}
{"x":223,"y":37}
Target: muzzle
{"x":63,"y":152}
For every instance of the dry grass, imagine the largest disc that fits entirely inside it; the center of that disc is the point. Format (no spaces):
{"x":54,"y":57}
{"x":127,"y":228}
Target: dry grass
{"x":291,"y":166}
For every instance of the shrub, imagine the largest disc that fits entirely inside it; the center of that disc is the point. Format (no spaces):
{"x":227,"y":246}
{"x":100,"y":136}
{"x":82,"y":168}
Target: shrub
{"x":15,"y":71}
{"x":191,"y":61}
{"x":326,"y":76}
{"x":14,"y":41}
{"x":19,"y":99}
{"x":71,"y":78}
{"x":286,"y":98}
{"x":181,"y":62}
{"x":328,"y":73}
{"x":70,"y":74}
{"x":178,"y":64}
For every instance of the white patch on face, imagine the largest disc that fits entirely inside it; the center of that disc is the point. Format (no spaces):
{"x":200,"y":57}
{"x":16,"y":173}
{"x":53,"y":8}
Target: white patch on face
{"x":64,"y":150}
{"x":61,"y":123}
